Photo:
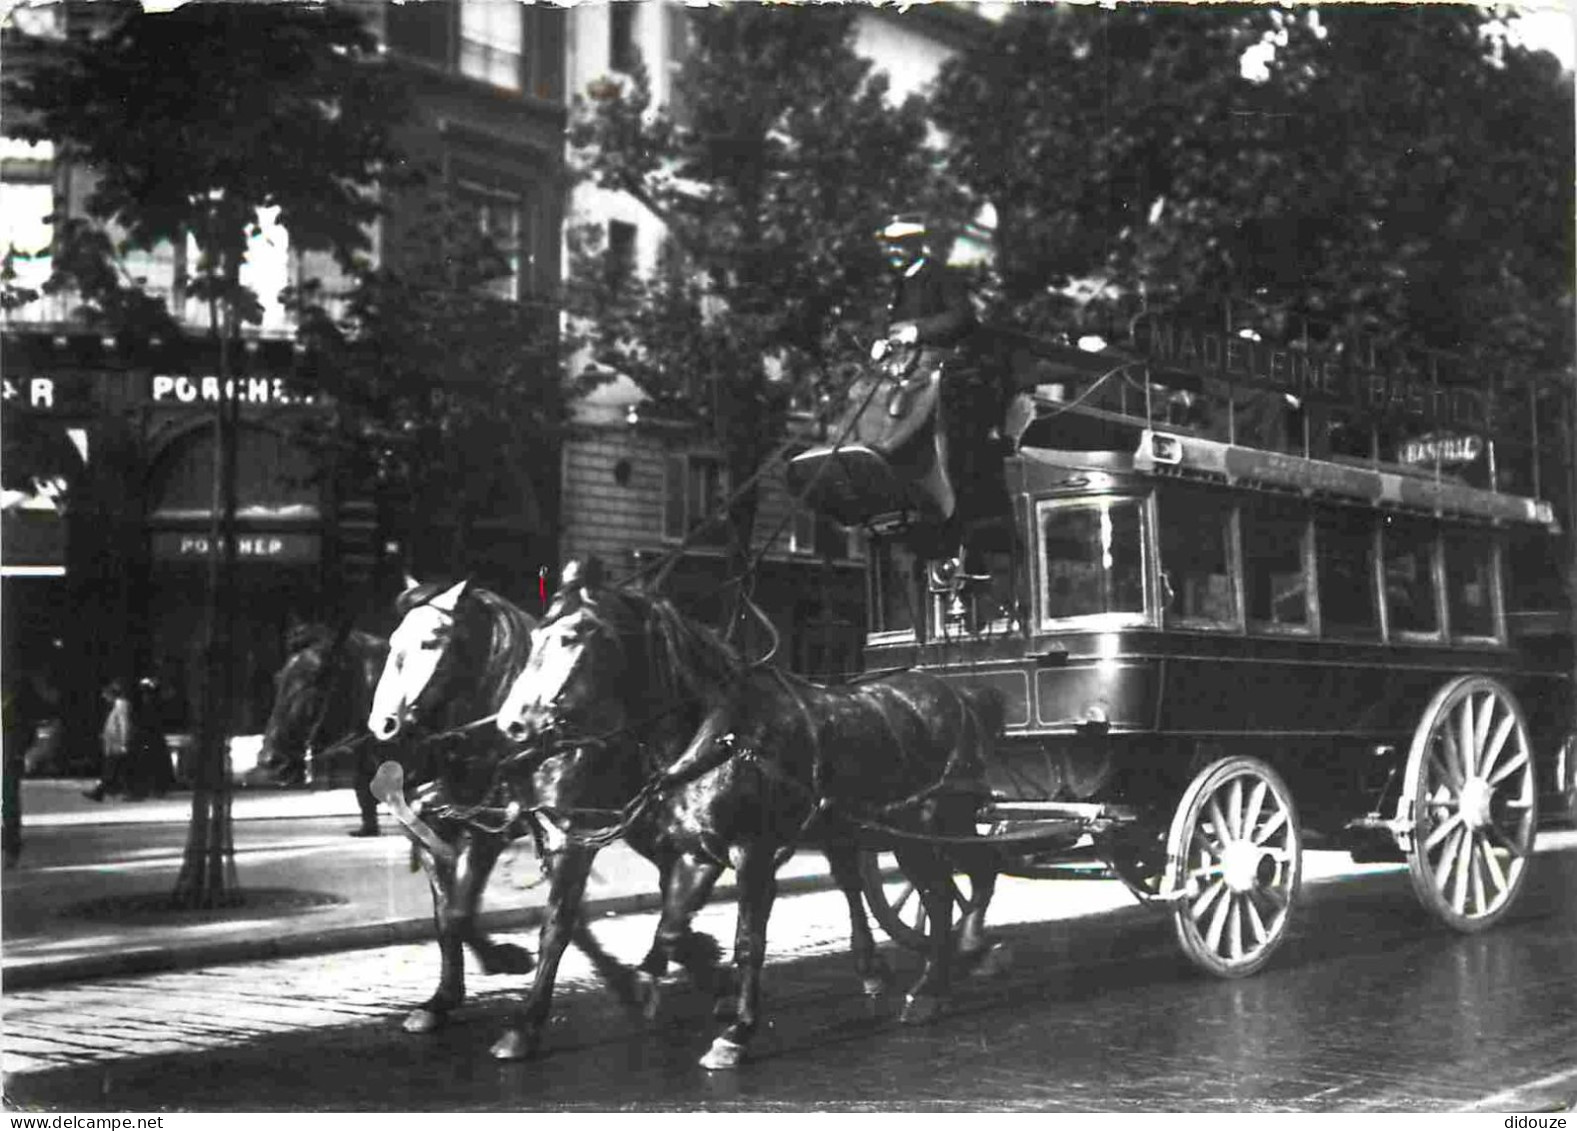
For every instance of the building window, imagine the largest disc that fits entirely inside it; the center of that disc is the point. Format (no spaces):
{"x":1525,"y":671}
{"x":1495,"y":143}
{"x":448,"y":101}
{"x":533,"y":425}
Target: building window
{"x":695,"y":489}
{"x":895,"y":586}
{"x":620,"y":260}
{"x":500,"y":217}
{"x":491,"y":42}
{"x":812,"y":533}
{"x":623,"y":55}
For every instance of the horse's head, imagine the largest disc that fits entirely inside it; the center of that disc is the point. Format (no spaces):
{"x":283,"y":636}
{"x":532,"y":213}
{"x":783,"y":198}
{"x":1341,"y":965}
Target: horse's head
{"x":578,"y":677}
{"x":424,"y":653}
{"x":301,"y":689}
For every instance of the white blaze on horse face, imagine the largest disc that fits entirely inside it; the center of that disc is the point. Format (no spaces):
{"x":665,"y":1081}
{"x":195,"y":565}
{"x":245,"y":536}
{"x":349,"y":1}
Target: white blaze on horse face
{"x":415,"y":651}
{"x":555,"y":650}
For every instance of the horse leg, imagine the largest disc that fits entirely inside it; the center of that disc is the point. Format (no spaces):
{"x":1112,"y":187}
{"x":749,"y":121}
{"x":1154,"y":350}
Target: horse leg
{"x":872,"y":969}
{"x":569,"y":868}
{"x":755,"y":868}
{"x":476,"y":865}
{"x":981,"y":954}
{"x":934,"y":877}
{"x":451,"y":960}
{"x":686,"y":886}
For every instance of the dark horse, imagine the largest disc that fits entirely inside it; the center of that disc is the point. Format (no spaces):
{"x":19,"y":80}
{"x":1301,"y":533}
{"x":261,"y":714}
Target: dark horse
{"x":321,"y":696}
{"x":724,"y":763}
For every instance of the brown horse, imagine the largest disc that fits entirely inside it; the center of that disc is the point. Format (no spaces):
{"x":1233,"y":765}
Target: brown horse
{"x":722,"y":763}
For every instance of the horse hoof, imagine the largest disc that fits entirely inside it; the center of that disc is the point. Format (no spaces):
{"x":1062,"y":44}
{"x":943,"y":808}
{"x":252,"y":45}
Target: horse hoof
{"x":423,"y":1020}
{"x":513,"y":1045}
{"x":724,"y":1053}
{"x":994,"y":961}
{"x":874,"y":986}
{"x":920,"y":1010}
{"x":507,"y":958}
{"x":649,"y":995}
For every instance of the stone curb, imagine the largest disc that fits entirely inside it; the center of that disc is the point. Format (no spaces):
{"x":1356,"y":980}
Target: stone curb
{"x":159,"y":960}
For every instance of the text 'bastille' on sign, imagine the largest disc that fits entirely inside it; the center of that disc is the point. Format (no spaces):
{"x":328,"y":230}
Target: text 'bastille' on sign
{"x":1309,"y":373}
{"x":249,"y":390}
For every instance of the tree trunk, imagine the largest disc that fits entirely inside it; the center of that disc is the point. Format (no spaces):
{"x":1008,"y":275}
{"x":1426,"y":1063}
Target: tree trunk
{"x":208,"y":877}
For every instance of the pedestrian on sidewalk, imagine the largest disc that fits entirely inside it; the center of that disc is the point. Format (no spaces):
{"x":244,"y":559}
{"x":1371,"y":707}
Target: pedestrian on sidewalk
{"x":151,"y":772}
{"x":25,"y":705}
{"x":115,"y":741}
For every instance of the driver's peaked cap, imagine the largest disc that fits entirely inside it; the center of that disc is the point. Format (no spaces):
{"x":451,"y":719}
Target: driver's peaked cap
{"x":903,"y":226}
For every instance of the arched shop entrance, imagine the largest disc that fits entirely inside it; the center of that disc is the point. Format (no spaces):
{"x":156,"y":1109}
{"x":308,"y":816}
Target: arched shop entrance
{"x":278,"y":575}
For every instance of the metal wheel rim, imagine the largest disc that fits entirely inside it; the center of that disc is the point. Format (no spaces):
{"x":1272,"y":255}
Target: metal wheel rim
{"x":1474,"y":800}
{"x":1240,"y":861}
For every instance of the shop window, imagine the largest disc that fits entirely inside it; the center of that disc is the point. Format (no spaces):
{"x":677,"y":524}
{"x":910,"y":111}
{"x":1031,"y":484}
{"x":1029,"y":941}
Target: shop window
{"x":1410,"y":591}
{"x":1196,"y":560}
{"x":492,"y":42}
{"x":1276,"y":589}
{"x":1470,"y":582}
{"x":1092,"y":559}
{"x":695,"y":490}
{"x":1344,"y":565}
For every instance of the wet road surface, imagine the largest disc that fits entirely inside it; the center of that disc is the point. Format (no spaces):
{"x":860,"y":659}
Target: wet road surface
{"x":1370,"y":1005}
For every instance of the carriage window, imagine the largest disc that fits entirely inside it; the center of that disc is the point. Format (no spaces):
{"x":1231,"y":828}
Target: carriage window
{"x":1092,"y":556}
{"x":1410,"y":576}
{"x":1344,"y":563}
{"x":1275,"y":569}
{"x":1196,"y":560}
{"x":1470,"y":583}
{"x":895,"y":586}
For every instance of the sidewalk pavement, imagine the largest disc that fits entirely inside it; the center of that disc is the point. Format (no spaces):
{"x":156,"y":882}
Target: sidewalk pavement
{"x":312,"y":888}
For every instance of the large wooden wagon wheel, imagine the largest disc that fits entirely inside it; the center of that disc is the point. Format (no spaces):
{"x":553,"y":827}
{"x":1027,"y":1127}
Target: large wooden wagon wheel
{"x":1473,"y":801}
{"x":1235,"y":850}
{"x":895,"y":902}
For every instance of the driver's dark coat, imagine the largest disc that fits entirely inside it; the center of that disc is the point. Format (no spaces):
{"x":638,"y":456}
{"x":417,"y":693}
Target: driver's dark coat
{"x":936,"y":301}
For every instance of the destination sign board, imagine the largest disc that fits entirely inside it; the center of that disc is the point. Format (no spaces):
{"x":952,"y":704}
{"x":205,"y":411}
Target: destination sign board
{"x":1449,"y":451}
{"x":1354,"y":377}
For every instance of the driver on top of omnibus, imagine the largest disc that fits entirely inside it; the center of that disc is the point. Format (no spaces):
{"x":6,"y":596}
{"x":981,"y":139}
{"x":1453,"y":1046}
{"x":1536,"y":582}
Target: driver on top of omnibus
{"x":929,"y":305}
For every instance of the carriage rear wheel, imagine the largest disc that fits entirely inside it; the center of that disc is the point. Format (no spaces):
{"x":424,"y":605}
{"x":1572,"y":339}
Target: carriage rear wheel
{"x":895,"y":902}
{"x":1236,"y":849}
{"x":1473,"y":800}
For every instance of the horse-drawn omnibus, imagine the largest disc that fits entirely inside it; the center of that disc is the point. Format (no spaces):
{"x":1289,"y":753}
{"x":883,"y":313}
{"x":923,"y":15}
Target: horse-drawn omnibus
{"x":1241,"y":598}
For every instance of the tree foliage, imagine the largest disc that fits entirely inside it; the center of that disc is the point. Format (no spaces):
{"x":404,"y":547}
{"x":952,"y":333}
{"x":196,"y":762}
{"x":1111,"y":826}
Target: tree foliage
{"x":1395,"y":169}
{"x":193,"y":121}
{"x":445,"y":399}
{"x":786,"y":158}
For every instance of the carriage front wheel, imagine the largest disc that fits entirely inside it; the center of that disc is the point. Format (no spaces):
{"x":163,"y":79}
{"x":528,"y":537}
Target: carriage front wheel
{"x":895,"y":902}
{"x":1472,"y":799}
{"x":1235,"y":852}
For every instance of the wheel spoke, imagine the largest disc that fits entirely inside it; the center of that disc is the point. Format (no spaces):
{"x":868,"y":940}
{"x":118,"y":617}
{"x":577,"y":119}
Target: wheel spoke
{"x":1207,"y":898}
{"x":1224,"y":833}
{"x":1480,"y":904}
{"x":1459,"y":872}
{"x":1510,"y":768}
{"x":1218,"y":920}
{"x":1278,"y":819}
{"x":1443,"y":869}
{"x":1485,"y":717}
{"x":1496,"y":745}
{"x":1206,"y":849}
{"x":1255,"y":923}
{"x":1256,"y":805}
{"x":1465,"y":748}
{"x":1453,"y":757}
{"x":1445,"y":773}
{"x":1235,"y":925}
{"x":1442,"y":831}
{"x":904,"y":895}
{"x":1492,"y":866}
